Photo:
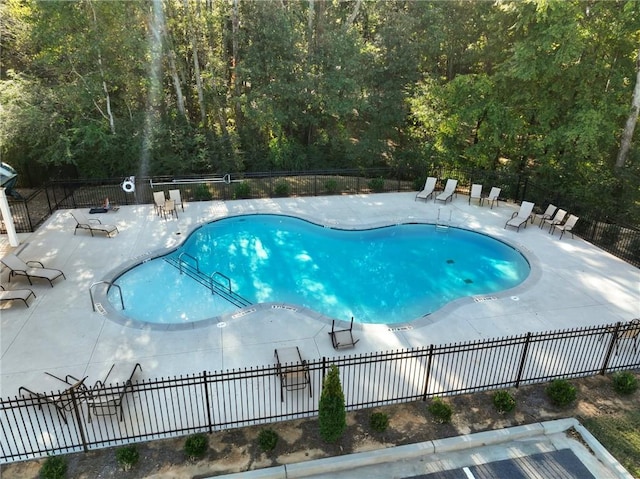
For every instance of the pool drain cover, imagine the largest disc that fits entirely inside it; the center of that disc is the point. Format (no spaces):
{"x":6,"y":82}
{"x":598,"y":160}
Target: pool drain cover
{"x":450,"y":261}
{"x":468,"y":281}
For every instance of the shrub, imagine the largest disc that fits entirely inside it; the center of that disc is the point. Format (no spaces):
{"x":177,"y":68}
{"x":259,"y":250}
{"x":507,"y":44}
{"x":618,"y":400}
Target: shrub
{"x":202,"y":193}
{"x":196,"y":446}
{"x":379,"y":421}
{"x":440,"y":410}
{"x":54,"y":467}
{"x":376,"y":185}
{"x":242,"y":190}
{"x":332,"y":415}
{"x":267,"y":440}
{"x":331,"y":185}
{"x":127,"y":456}
{"x":561,"y":392}
{"x":504,"y":401}
{"x":610,"y":234}
{"x":282,"y":188}
{"x":624,"y":382}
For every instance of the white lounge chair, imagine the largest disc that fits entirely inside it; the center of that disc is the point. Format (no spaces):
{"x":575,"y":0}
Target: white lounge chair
{"x":92,"y":225}
{"x":548,"y":213}
{"x":556,"y":219}
{"x":428,"y":190}
{"x":449,"y":190}
{"x":521,"y":216}
{"x":158,"y":201}
{"x":15,"y":294}
{"x":567,"y":226}
{"x":20,"y":268}
{"x":476,"y":193}
{"x":493,"y":196}
{"x":177,"y":199}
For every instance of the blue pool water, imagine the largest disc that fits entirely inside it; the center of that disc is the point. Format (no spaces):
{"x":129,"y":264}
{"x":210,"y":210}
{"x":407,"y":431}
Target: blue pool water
{"x":384,"y":275}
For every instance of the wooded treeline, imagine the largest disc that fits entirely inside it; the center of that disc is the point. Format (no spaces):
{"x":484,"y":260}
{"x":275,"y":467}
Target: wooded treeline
{"x":107,"y":88}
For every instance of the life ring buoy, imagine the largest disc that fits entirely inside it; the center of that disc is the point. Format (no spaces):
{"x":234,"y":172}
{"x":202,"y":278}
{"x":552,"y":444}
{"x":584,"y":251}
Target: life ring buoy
{"x":128,"y":186}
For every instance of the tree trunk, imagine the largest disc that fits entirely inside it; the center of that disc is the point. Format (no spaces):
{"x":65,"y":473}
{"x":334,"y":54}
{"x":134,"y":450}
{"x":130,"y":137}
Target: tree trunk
{"x":109,"y":114}
{"x":196,"y":65}
{"x":627,"y":134}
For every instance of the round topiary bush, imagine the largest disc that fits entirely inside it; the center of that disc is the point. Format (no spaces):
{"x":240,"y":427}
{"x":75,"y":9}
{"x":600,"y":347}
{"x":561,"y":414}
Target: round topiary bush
{"x":196,"y":446}
{"x":376,"y":185}
{"x":282,"y":188}
{"x":561,"y":392}
{"x":379,"y":421}
{"x":331,"y":185}
{"x":624,"y":382}
{"x":504,"y":401}
{"x":440,"y":410}
{"x":267,"y":440}
{"x":54,"y":467}
{"x":127,"y":456}
{"x":242,"y":190}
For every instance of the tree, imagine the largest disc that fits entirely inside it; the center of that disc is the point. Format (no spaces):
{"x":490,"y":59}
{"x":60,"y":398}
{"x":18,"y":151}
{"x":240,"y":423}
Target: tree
{"x":332,"y":415}
{"x":627,"y":135}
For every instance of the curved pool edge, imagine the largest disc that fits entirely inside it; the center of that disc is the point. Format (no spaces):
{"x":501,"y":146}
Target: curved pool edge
{"x":104,"y":306}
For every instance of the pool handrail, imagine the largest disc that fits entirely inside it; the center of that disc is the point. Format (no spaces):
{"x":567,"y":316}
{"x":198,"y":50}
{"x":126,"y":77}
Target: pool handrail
{"x":109,"y":283}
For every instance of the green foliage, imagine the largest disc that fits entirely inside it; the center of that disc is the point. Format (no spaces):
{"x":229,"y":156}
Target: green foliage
{"x":127,"y":456}
{"x":561,"y":392}
{"x":379,"y":421}
{"x":196,"y":446}
{"x":376,"y":185}
{"x":54,"y":467}
{"x":282,"y":188}
{"x":242,"y":190}
{"x":504,"y":401}
{"x":624,"y":382}
{"x":331,"y":185}
{"x":610,"y":234}
{"x":440,"y":410}
{"x":202,"y":193}
{"x":267,"y":440}
{"x":332,"y":415}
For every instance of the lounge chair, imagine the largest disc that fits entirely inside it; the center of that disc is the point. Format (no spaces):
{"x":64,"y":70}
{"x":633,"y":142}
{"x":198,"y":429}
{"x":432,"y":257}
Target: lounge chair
{"x":158,"y":201}
{"x":177,"y":199}
{"x":556,"y":219}
{"x":428,"y":190}
{"x":624,"y":331}
{"x":567,"y":226}
{"x":293,"y":370}
{"x":449,"y":190}
{"x":14,"y":294}
{"x":92,"y":225}
{"x":20,"y":268}
{"x":548,"y":213}
{"x":169,"y":209}
{"x":63,"y":401}
{"x":493,"y":196}
{"x":476,"y":193}
{"x":520,"y":217}
{"x":105,"y":400}
{"x":342,"y":338}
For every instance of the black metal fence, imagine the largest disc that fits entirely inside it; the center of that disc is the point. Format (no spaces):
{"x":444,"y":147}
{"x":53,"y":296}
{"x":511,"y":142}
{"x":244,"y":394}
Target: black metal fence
{"x":208,"y":402}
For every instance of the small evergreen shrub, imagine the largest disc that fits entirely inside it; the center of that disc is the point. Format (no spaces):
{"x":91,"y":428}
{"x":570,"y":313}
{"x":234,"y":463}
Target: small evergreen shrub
{"x":127,"y":456}
{"x":376,"y":185}
{"x":561,"y":392}
{"x":54,"y":467}
{"x":196,"y":446}
{"x":332,"y":414}
{"x":379,"y":421}
{"x":440,"y":410}
{"x":267,"y":440}
{"x":331,"y":185}
{"x":242,"y":190}
{"x":624,"y":382}
{"x":610,"y":234}
{"x":202,"y":193}
{"x":504,"y":401}
{"x":282,"y":188}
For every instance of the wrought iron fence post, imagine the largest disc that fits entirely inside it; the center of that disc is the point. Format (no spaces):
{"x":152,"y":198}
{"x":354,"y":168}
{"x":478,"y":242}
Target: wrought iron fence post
{"x":612,"y":343}
{"x":523,"y":359}
{"x":426,"y":381}
{"x":76,"y":410}
{"x":206,"y":398}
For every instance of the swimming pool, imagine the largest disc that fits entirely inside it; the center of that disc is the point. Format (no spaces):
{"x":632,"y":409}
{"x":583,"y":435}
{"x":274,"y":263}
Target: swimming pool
{"x":388,"y":275}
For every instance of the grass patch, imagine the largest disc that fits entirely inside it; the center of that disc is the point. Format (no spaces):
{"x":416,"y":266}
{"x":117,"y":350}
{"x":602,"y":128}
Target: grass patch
{"x":620,"y":435}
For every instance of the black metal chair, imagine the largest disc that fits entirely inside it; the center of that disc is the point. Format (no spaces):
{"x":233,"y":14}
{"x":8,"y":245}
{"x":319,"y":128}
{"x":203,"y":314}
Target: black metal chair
{"x":342,"y":338}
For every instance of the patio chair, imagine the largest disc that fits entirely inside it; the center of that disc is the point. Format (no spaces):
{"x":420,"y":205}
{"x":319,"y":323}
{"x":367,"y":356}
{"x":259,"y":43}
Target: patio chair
{"x":158,"y":201}
{"x":105,"y":400}
{"x":293,"y":370}
{"x":548,"y":213}
{"x":493,"y":196}
{"x":21,"y":268}
{"x":449,"y":191}
{"x":169,"y":209}
{"x":64,"y":401}
{"x":567,"y":226}
{"x":92,"y":225}
{"x":520,"y":217}
{"x":428,"y":190}
{"x":342,"y":338}
{"x":476,"y":193}
{"x":556,"y":219}
{"x":626,"y":331}
{"x":15,"y":294}
{"x":177,"y":199}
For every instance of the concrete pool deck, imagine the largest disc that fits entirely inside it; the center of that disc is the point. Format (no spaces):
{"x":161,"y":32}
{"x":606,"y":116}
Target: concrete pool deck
{"x":573,"y":284}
